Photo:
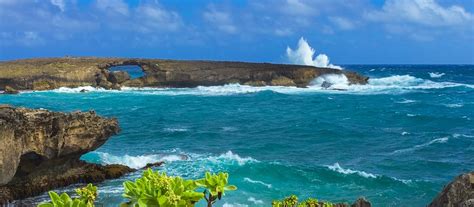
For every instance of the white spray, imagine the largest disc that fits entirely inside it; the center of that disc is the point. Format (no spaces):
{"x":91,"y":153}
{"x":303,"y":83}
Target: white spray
{"x":303,"y":55}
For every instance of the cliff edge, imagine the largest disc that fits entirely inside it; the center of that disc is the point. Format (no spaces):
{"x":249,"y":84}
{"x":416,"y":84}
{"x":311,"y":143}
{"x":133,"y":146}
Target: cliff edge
{"x":51,"y":73}
{"x":40,"y":150}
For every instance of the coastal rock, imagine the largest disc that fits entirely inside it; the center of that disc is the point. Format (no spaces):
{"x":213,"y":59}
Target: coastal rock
{"x":460,"y":192}
{"x":10,"y":90}
{"x":118,"y":77}
{"x":40,"y":150}
{"x":50,"y":73}
{"x":361,"y":202}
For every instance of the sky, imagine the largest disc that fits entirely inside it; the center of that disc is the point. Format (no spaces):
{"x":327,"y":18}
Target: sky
{"x":346,"y":31}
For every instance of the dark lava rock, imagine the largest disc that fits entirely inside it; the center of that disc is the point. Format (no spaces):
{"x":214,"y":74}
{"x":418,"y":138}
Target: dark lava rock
{"x":458,"y":193}
{"x":40,"y":150}
{"x":361,"y":202}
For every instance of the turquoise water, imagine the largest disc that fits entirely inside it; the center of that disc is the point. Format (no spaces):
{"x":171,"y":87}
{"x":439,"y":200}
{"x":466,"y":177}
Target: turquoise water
{"x":396,"y":141}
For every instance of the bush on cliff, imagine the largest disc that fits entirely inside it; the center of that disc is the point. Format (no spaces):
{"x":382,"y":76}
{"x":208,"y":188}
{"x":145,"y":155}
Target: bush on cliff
{"x":87,"y":196}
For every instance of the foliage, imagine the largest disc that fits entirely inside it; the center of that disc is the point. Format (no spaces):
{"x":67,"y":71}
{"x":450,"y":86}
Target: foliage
{"x":215,"y":185}
{"x":292,"y":201}
{"x":158,"y":189}
{"x":87,"y":196}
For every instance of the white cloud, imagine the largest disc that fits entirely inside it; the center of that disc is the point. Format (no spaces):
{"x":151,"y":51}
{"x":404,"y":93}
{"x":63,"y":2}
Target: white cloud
{"x":220,"y":19}
{"x":421,"y":12}
{"x":60,"y":4}
{"x":303,"y":55}
{"x":342,"y":23}
{"x":114,"y":6}
{"x":155,"y":18}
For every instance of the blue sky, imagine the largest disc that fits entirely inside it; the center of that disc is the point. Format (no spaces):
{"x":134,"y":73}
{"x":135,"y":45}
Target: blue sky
{"x":348,"y":31}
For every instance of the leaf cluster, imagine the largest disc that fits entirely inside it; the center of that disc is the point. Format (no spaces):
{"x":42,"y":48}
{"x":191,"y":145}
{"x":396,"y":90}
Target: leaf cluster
{"x":292,"y":201}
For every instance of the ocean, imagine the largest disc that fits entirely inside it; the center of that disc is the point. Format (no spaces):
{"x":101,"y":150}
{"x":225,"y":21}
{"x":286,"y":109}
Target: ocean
{"x":397,"y":141}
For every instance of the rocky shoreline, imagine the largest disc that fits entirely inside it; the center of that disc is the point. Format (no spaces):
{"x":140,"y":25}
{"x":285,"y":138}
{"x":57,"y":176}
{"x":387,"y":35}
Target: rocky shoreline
{"x":52,"y":73}
{"x":40,"y":150}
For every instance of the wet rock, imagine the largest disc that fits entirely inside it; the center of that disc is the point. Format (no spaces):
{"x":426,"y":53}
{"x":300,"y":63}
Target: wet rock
{"x":282,"y":81}
{"x":460,"y":192}
{"x":326,"y":84}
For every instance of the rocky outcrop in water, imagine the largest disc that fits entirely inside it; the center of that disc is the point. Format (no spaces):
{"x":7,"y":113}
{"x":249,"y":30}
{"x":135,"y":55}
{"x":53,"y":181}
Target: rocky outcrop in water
{"x":51,"y":73}
{"x":40,"y":150}
{"x":458,"y":193}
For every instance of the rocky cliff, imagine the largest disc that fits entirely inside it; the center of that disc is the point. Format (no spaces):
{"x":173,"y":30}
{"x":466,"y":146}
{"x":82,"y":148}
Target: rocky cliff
{"x":50,"y":73}
{"x":40,"y":150}
{"x":458,"y":193}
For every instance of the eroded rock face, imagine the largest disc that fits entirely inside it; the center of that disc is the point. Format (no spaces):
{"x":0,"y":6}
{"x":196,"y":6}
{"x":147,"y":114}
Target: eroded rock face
{"x":50,"y":73}
{"x":40,"y":150}
{"x":458,"y":193}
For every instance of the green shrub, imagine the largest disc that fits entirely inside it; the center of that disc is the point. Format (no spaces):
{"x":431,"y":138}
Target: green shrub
{"x":87,"y":196}
{"x":215,"y":186}
{"x":158,"y":189}
{"x":292,"y":201}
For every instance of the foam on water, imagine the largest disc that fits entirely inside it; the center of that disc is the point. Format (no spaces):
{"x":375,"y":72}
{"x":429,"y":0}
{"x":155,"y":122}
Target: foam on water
{"x":255,"y":201}
{"x":229,"y":156}
{"x":258,"y":182}
{"x":337,"y":168}
{"x":416,"y":147}
{"x":456,"y":105}
{"x":436,"y":75}
{"x":384,"y":85}
{"x":138,"y":161}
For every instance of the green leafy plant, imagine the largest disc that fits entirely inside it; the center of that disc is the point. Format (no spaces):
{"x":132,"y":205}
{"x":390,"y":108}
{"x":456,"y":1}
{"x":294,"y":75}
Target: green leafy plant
{"x":292,"y":201}
{"x":158,"y":189}
{"x":215,"y":186}
{"x":87,"y":196}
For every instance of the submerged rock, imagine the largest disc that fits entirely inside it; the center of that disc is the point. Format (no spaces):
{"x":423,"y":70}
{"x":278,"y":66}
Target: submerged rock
{"x":460,"y":192}
{"x":40,"y":150}
{"x":50,"y":73}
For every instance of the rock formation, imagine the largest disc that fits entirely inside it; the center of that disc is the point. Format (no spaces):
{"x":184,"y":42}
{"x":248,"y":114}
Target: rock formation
{"x":50,"y":73}
{"x":458,"y":193}
{"x":40,"y":150}
{"x":10,"y":90}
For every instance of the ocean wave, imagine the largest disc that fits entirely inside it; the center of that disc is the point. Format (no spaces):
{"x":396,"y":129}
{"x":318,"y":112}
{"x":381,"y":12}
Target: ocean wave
{"x":138,"y":161}
{"x":337,"y":168}
{"x":255,"y":201}
{"x":234,"y":205}
{"x":383,"y":85}
{"x":438,"y":140}
{"x":178,"y":129}
{"x":436,"y":75}
{"x":406,"y":101}
{"x":258,"y":182}
{"x":230,"y":157}
{"x":456,"y":105}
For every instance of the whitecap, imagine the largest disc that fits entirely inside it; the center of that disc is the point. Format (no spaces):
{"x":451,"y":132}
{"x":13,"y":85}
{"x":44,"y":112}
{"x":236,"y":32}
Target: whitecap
{"x":258,"y":182}
{"x":229,"y":156}
{"x":406,"y":101}
{"x":138,"y":161}
{"x":436,"y":75}
{"x":337,"y":168}
{"x":405,"y":133}
{"x":438,"y":140}
{"x":255,"y":201}
{"x":234,"y":205}
{"x":456,"y":105}
{"x":175,"y":129}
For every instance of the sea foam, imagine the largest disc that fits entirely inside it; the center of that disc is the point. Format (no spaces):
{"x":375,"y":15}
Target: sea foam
{"x":337,"y":168}
{"x":138,"y":161}
{"x":438,"y":140}
{"x":258,"y":182}
{"x":436,"y":75}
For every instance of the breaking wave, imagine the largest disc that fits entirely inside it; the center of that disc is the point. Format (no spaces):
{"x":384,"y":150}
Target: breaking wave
{"x":436,"y":75}
{"x":303,"y":55}
{"x":140,"y":161}
{"x":331,"y":83}
{"x":258,"y":182}
{"x":416,"y":147}
{"x":337,"y":168}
